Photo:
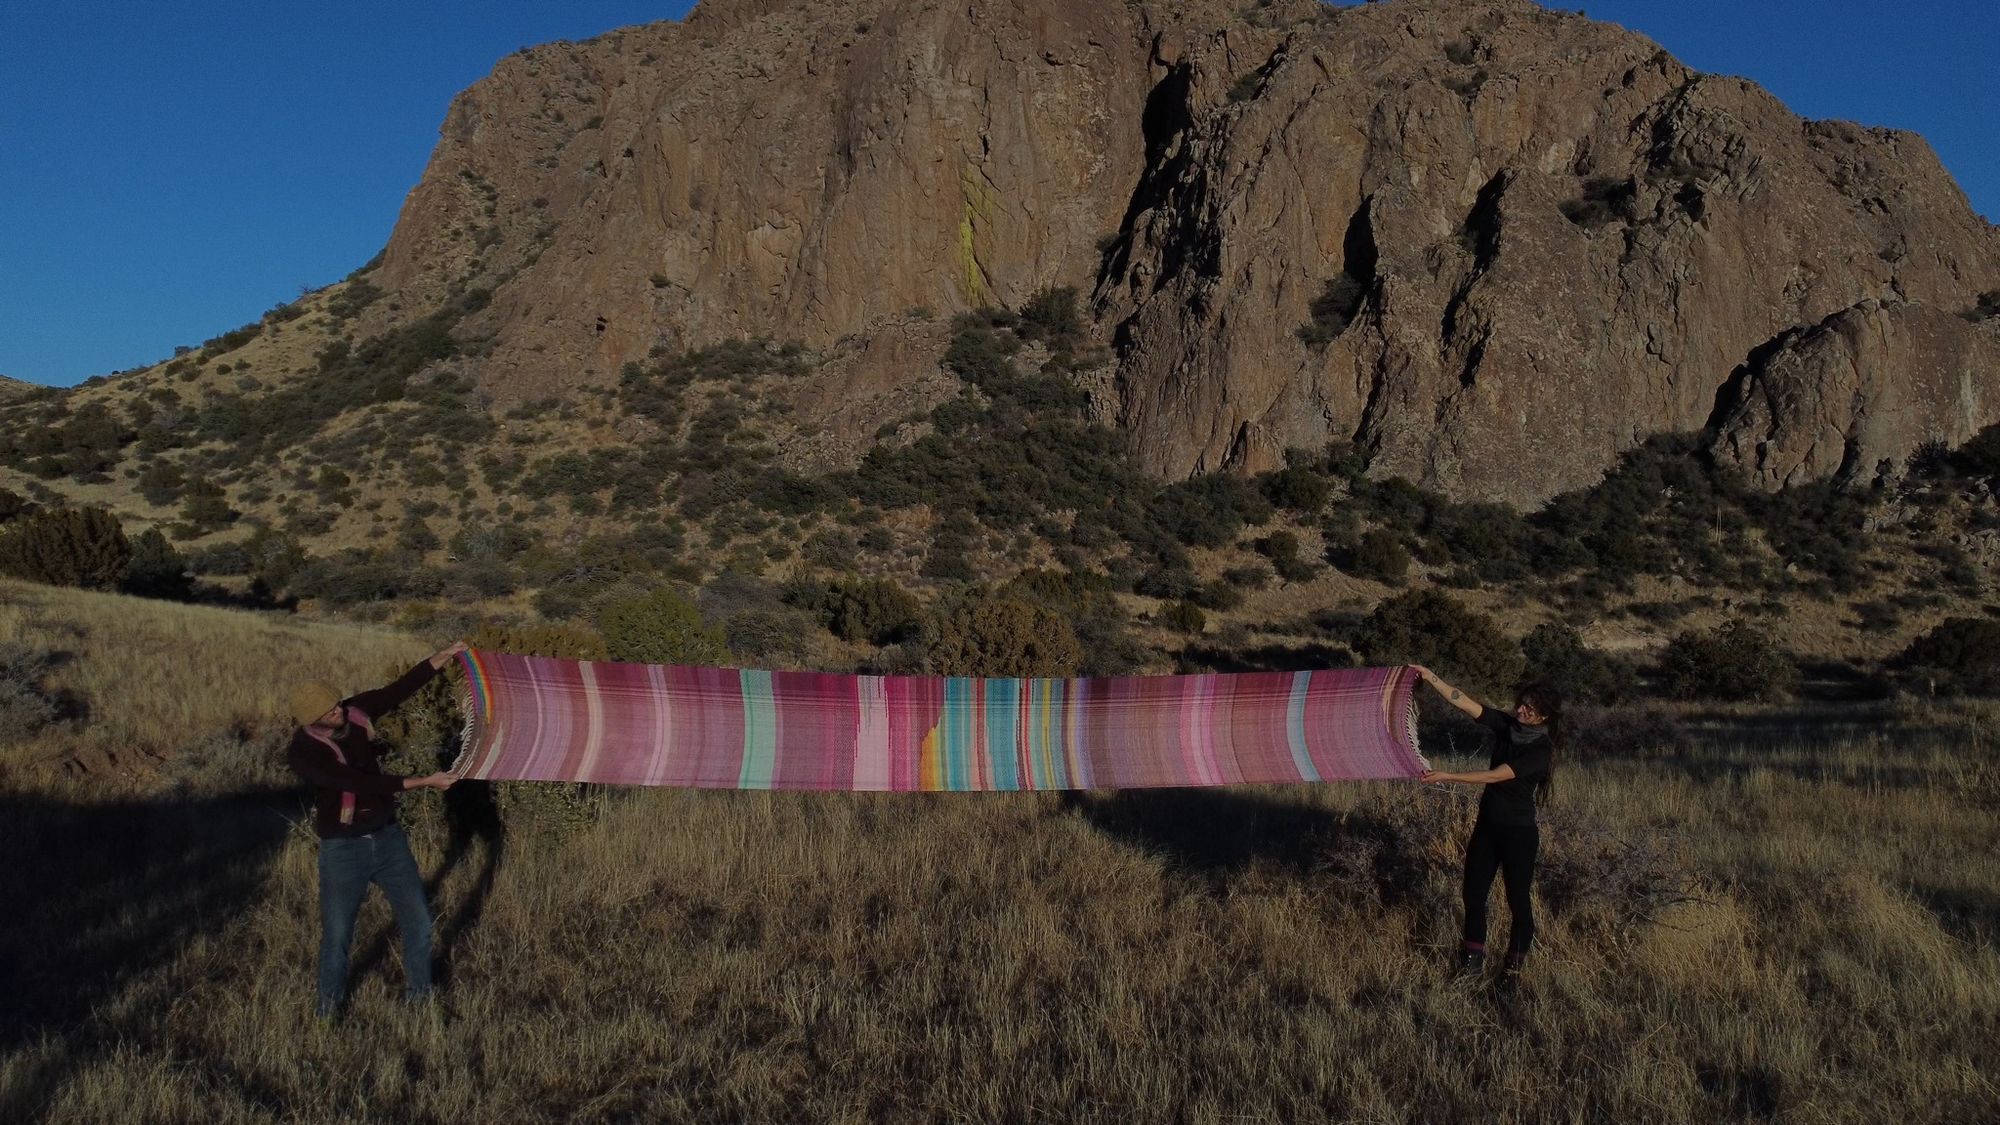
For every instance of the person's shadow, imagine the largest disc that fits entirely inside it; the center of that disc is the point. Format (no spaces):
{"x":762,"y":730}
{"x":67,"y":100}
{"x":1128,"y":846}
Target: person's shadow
{"x":100,"y":892}
{"x":1215,"y":836}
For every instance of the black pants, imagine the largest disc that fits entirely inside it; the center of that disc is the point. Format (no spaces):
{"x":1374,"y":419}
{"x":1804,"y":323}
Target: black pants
{"x":1509,"y":849}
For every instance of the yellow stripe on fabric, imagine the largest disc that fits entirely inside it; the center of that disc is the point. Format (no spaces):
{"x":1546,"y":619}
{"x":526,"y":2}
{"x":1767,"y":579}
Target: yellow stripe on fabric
{"x":930,"y":771}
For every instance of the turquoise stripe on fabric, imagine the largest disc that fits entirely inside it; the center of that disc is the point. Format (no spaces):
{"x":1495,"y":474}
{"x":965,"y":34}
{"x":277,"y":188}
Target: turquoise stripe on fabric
{"x":543,"y":719}
{"x":1003,"y":705}
{"x":952,"y":751}
{"x":760,"y":730}
{"x":1295,"y":727}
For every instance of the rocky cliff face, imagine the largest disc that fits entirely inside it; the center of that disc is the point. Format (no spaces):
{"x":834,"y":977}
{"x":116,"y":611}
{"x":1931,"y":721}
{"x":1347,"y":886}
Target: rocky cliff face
{"x":1494,"y":244}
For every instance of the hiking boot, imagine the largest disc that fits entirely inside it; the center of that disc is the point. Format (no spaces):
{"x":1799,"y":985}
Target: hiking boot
{"x":1471,"y":963}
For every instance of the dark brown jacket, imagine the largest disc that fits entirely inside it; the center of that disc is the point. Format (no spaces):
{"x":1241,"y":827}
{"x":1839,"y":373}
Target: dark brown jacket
{"x":356,"y":786}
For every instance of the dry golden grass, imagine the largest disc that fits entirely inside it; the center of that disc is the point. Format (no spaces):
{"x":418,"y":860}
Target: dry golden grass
{"x":1825,"y":951}
{"x":157,"y":676}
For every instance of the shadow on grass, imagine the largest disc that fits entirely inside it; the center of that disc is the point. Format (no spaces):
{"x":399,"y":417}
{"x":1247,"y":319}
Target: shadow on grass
{"x":1217,"y":835}
{"x":100,"y":892}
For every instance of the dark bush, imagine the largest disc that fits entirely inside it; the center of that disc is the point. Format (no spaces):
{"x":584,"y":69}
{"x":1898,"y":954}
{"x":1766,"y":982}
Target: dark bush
{"x":66,"y":547}
{"x":1333,"y":310}
{"x":1379,"y":556}
{"x":1051,"y":314}
{"x":1960,"y":656}
{"x":205,"y":507}
{"x":1555,"y":654}
{"x":356,"y":576}
{"x":1184,"y":617}
{"x":1431,"y":628}
{"x":770,"y":638}
{"x":1218,"y":596}
{"x":156,"y":569}
{"x":1297,"y":488}
{"x":161,"y":482}
{"x":1603,"y":200}
{"x":1736,"y":661}
{"x":1980,"y":455}
{"x":1209,"y":510}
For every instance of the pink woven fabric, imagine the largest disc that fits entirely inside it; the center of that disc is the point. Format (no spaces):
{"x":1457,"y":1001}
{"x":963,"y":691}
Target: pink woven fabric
{"x":539,"y":719}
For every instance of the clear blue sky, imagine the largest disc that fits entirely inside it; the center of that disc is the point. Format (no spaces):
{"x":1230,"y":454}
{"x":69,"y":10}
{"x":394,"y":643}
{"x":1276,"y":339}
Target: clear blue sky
{"x":168,"y":171}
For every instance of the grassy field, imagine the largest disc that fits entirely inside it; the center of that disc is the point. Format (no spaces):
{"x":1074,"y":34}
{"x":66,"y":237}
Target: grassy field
{"x":1745,"y":915}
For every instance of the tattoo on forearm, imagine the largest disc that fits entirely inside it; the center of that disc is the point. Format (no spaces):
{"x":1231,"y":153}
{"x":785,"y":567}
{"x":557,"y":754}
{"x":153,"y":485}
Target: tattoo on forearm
{"x":1454,"y":695}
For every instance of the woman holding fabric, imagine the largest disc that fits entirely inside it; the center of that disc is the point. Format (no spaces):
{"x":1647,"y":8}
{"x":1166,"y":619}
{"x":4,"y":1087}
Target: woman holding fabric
{"x":1504,"y":837}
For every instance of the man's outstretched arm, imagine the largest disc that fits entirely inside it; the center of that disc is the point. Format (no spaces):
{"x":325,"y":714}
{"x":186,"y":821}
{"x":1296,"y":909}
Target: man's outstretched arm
{"x":383,"y":700}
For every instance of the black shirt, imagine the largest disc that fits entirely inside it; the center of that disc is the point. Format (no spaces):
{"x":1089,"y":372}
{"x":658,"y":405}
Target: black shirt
{"x":1529,"y":751}
{"x":374,"y":791}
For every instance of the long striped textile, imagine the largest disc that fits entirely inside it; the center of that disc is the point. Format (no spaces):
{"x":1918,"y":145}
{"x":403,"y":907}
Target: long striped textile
{"x":537,"y":719}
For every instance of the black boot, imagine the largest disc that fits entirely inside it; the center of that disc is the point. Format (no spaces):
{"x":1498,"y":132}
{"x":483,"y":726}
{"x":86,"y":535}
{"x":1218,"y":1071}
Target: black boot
{"x":1471,"y":963}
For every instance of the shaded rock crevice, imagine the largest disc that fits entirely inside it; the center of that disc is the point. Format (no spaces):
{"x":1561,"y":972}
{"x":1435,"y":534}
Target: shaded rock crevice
{"x":1496,"y":244}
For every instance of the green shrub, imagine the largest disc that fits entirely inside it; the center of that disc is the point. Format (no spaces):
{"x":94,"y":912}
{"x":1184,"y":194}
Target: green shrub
{"x":568,"y":641}
{"x":661,"y":627}
{"x":1338,"y":303}
{"x":1297,"y":488}
{"x":356,"y":576}
{"x":205,"y":507}
{"x":66,"y":547}
{"x":1556,"y":655}
{"x":1960,"y":656}
{"x":1603,"y":200}
{"x":156,"y":569}
{"x":1218,"y":595}
{"x":1735,"y":661}
{"x":13,"y":506}
{"x":996,"y":635}
{"x":875,"y":610}
{"x":1380,"y":556}
{"x":161,"y":482}
{"x":1209,"y":510}
{"x":1432,"y":628}
{"x":274,"y":558}
{"x":1051,"y":314}
{"x":1184,"y":617}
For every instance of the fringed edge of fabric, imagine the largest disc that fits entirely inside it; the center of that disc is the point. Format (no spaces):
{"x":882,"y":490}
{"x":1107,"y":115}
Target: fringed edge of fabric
{"x":468,"y":703}
{"x":1409,"y":691}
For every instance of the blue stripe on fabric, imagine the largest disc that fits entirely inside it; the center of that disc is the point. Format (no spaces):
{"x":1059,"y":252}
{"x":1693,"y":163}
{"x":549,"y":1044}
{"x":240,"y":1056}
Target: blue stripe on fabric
{"x":1003,"y":702}
{"x":1295,"y":727}
{"x":954,"y":751}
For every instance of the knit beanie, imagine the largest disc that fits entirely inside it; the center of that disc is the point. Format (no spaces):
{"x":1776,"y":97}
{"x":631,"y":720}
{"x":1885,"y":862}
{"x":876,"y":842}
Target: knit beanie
{"x":310,"y":701}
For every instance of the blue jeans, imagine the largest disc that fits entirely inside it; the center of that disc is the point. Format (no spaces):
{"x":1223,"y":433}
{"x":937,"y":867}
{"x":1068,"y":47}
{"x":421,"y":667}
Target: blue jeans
{"x":346,"y":867}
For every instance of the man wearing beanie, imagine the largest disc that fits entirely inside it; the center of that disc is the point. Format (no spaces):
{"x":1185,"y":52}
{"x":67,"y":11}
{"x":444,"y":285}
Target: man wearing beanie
{"x":354,"y":813}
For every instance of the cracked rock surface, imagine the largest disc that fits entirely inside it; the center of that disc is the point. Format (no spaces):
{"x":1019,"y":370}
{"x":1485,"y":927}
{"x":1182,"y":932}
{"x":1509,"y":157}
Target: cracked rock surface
{"x":1494,"y":244}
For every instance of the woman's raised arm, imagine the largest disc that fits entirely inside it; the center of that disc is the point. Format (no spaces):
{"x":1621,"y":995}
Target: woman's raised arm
{"x":1451,"y":694}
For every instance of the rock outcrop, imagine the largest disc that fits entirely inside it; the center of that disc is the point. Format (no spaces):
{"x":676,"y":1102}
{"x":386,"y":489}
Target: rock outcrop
{"x":1494,"y":244}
